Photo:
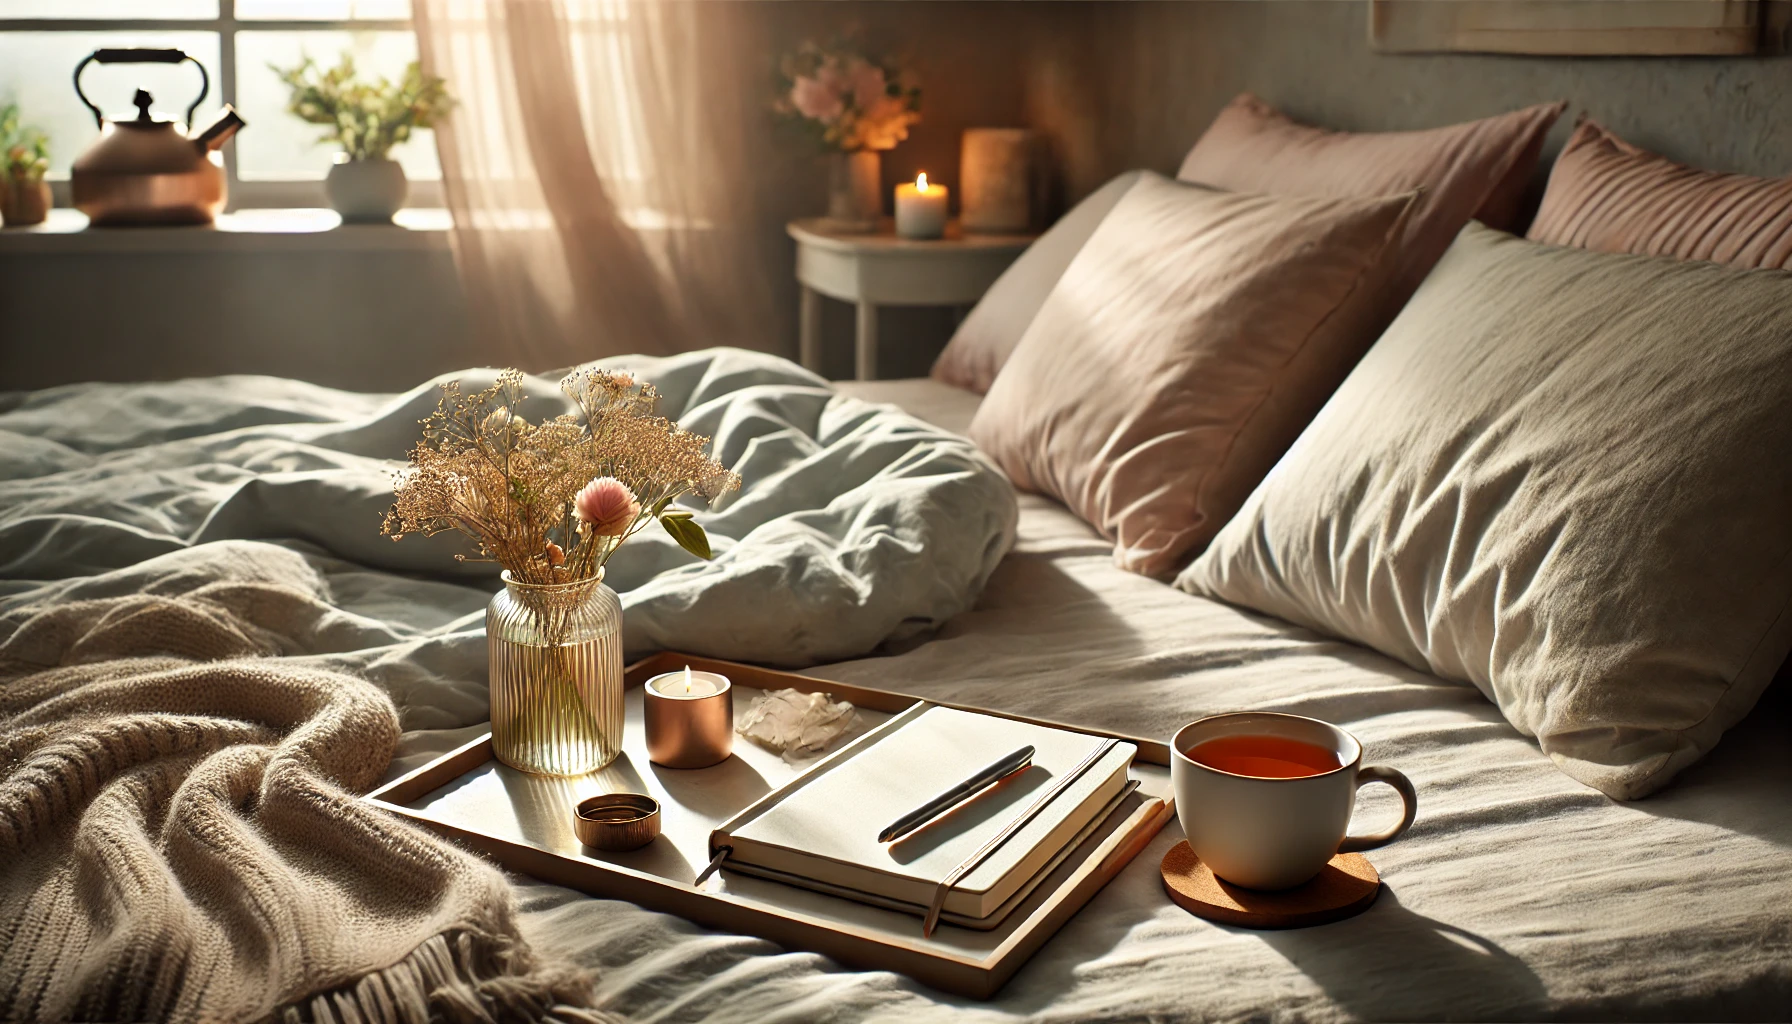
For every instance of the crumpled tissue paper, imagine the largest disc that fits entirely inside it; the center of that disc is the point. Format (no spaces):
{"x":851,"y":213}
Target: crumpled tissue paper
{"x":799,"y":725}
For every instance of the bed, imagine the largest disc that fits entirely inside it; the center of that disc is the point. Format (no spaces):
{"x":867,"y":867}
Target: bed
{"x":1519,"y":893}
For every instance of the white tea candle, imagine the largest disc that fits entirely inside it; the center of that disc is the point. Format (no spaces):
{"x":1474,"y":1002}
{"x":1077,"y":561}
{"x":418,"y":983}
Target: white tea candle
{"x":921,"y":209}
{"x":688,"y":684}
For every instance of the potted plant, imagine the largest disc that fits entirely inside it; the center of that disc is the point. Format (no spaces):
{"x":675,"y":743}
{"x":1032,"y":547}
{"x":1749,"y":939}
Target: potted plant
{"x":366,"y":119}
{"x":24,"y":158}
{"x":855,"y":108}
{"x":550,"y":502}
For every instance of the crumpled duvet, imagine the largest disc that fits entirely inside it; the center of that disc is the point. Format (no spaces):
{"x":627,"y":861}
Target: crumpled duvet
{"x":856,"y":525}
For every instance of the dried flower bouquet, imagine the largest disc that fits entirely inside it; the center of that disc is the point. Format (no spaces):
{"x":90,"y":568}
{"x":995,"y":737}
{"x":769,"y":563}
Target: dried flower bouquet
{"x":552,"y":501}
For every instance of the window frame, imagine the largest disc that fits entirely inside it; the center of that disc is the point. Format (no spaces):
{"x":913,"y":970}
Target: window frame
{"x":255,"y":194}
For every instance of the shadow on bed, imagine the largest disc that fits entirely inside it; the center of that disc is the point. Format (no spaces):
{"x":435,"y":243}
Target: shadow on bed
{"x":1040,"y":605}
{"x":1388,"y":963}
{"x":1401,"y":965}
{"x":1744,"y":783}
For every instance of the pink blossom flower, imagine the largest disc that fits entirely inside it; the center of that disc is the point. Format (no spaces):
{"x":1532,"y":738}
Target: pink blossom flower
{"x":832,"y":78}
{"x":868,"y":84}
{"x":814,"y":99}
{"x":608,"y":506}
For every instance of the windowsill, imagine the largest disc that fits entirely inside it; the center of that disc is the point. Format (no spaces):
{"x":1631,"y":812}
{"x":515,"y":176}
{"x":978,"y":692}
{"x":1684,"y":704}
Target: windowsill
{"x":296,"y":230}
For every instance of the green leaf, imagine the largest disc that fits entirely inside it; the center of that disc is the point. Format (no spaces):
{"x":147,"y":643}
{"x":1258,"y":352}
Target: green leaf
{"x":688,"y":534}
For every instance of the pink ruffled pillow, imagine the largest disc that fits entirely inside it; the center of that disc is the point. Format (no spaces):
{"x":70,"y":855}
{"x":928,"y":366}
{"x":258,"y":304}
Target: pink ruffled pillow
{"x":1610,"y":196}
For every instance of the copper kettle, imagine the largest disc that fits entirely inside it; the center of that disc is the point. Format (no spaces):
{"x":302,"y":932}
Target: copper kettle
{"x":148,"y":171}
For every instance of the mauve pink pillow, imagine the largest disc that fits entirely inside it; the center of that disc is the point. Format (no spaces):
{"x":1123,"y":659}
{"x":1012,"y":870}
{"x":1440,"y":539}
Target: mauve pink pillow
{"x":1610,"y":196}
{"x":1476,"y":170}
{"x":995,"y":324}
{"x":1187,"y":345}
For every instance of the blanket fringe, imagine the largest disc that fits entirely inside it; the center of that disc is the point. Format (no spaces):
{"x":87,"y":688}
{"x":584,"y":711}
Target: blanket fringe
{"x":465,"y":976}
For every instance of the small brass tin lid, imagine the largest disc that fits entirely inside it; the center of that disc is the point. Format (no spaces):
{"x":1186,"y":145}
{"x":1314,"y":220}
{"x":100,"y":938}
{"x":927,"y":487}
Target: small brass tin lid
{"x":617,"y":821}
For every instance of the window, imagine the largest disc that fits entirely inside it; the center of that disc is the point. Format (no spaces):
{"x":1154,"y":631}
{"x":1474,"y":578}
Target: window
{"x":276,"y":160}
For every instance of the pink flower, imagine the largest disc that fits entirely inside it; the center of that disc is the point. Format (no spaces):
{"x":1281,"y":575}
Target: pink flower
{"x":868,"y":84}
{"x":815,"y":100}
{"x":832,"y":78}
{"x":608,"y":506}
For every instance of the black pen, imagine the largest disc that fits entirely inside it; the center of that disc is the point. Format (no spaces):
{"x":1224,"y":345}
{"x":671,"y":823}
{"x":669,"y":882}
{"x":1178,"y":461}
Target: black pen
{"x":1017,"y":761}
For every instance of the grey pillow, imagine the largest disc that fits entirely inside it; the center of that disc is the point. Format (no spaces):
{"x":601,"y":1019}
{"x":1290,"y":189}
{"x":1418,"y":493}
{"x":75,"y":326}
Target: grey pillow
{"x":982,"y":343}
{"x":1564,"y":477}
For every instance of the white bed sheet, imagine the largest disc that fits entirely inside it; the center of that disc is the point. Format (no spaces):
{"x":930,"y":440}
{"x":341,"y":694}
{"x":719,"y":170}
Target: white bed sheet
{"x":1519,"y":893}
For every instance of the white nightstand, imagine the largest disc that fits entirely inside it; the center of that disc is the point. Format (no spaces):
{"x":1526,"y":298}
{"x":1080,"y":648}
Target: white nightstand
{"x":883,"y":270}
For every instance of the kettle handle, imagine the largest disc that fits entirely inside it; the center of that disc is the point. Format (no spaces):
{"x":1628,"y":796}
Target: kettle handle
{"x":132,"y":55}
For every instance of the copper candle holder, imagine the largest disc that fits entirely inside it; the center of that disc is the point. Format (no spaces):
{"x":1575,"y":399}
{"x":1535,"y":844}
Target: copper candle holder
{"x":690,"y":718}
{"x":617,"y":821}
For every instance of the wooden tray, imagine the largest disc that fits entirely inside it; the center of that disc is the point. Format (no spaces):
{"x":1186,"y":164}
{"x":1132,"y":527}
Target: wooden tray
{"x":524,"y":822}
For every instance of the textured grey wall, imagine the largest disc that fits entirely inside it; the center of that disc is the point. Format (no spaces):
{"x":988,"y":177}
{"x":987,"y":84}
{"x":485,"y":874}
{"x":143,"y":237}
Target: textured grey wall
{"x":1160,"y":71}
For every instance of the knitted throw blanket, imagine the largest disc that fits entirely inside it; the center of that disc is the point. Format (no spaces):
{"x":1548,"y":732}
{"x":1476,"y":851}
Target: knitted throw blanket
{"x":180,"y":837}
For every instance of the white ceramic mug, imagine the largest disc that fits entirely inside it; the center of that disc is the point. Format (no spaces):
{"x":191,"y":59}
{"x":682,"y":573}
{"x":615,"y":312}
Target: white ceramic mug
{"x":1265,"y":833}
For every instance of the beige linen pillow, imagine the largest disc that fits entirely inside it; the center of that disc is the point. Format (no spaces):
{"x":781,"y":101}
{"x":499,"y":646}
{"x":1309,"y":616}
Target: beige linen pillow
{"x":995,"y":324}
{"x":1181,"y":352}
{"x":1564,"y":477}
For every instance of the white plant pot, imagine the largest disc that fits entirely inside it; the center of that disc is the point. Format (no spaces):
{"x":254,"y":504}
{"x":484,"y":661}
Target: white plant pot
{"x":366,"y":191}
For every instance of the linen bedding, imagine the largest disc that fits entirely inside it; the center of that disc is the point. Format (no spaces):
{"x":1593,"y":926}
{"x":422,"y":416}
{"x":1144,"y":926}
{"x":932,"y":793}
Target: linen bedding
{"x":185,"y":708}
{"x":1519,"y":893}
{"x":836,"y":495}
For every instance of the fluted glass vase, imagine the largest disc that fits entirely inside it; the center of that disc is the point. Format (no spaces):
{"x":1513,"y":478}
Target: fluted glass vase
{"x":855,"y":193}
{"x":556,"y":675}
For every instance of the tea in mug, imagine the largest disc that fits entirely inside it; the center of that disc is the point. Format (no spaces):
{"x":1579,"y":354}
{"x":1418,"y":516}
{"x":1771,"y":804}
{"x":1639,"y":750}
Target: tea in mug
{"x":1265,"y":757}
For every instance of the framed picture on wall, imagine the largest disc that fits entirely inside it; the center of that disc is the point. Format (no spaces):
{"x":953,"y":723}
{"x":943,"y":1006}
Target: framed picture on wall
{"x":1563,"y":28}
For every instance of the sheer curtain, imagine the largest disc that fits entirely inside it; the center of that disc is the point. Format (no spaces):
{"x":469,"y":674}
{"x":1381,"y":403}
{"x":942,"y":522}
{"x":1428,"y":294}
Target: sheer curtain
{"x":594,"y":168}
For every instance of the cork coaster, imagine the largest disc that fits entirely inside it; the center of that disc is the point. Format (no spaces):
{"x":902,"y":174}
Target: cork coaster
{"x":1343,"y":888}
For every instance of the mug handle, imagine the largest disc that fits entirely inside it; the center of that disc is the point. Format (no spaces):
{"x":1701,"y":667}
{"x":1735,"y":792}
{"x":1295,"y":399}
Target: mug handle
{"x":1391,"y":776}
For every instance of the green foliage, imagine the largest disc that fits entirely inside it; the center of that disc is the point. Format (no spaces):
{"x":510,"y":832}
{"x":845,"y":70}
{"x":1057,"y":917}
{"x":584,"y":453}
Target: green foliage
{"x":24,"y":149}
{"x":365,"y":118}
{"x":687,"y":533}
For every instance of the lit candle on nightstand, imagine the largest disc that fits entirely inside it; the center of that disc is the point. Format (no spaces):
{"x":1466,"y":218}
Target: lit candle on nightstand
{"x":690,"y":718}
{"x":920,"y":209}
